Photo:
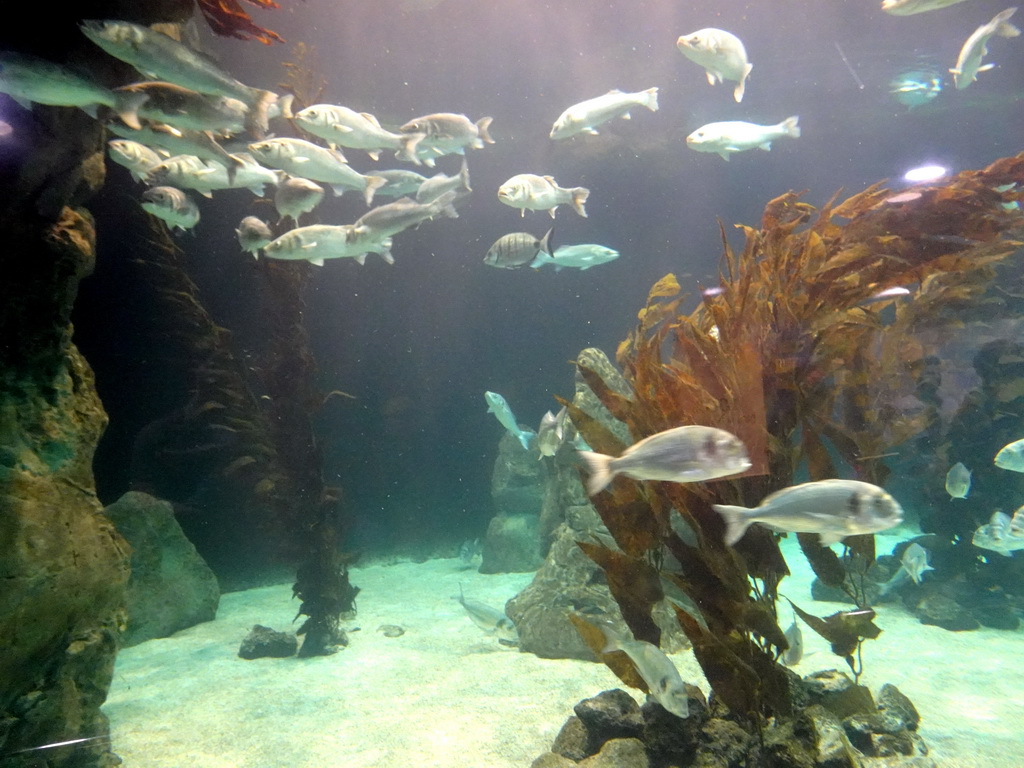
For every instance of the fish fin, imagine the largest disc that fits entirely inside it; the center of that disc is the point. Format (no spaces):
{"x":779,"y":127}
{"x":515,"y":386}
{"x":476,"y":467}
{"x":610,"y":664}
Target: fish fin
{"x":737,"y":92}
{"x":579,"y":200}
{"x":408,"y":149}
{"x":23,"y":102}
{"x":545,"y":242}
{"x":724,"y":155}
{"x":257,"y":189}
{"x":482,"y":125}
{"x":374,"y":154}
{"x":525,"y":437}
{"x":599,"y":467}
{"x":284,"y":103}
{"x":342,"y":128}
{"x":627,"y":116}
{"x":712,"y":79}
{"x":464,"y":175}
{"x":360,"y":259}
{"x":522,"y":213}
{"x":373,"y":183}
{"x":830,"y":537}
{"x":128,"y":105}
{"x":767,"y":146}
{"x":317,"y":262}
{"x":792,"y":126}
{"x":985,"y":68}
{"x":590,"y":130}
{"x":651,"y":99}
{"x":371,"y":118}
{"x":611,"y":639}
{"x":386,"y":255}
{"x":337,"y":189}
{"x":207,"y":193}
{"x":551,"y":211}
{"x":737,"y":520}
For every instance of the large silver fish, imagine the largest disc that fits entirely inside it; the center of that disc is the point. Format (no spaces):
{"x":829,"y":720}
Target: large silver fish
{"x":541,"y":193}
{"x":682,"y":455}
{"x":177,"y":142}
{"x":663,"y":681}
{"x":909,"y":7}
{"x":721,"y":54}
{"x":390,"y":219}
{"x":444,"y":133}
{"x":137,"y":158}
{"x":997,"y":536}
{"x":206,"y":177}
{"x":253,"y":234}
{"x":958,"y":481}
{"x":582,"y":256}
{"x":439,"y":183}
{"x":358,"y":130}
{"x":968,"y":63}
{"x":587,"y":115}
{"x":183,"y":108}
{"x":318,"y":242}
{"x":1011,"y":456}
{"x":172,"y":205}
{"x":294,"y":197}
{"x":834,"y":509}
{"x":915,"y":562}
{"x":551,"y":432}
{"x":490,"y":620}
{"x":731,"y":136}
{"x":517,"y":249}
{"x":304,"y":158}
{"x":497,"y":405}
{"x":795,"y":637}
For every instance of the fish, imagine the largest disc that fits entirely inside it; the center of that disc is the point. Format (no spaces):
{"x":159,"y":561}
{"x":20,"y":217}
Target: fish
{"x":551,"y":432}
{"x":795,"y":637}
{"x":444,"y":133}
{"x":915,"y":88}
{"x":664,"y":684}
{"x":582,"y":256}
{"x":253,"y":234}
{"x":439,"y":183}
{"x":31,"y":80}
{"x":587,"y":115}
{"x":721,"y":54}
{"x":517,"y":249}
{"x":497,"y":405}
{"x":307,"y":160}
{"x":392,"y":218}
{"x":161,"y":57}
{"x":915,"y":562}
{"x":1016,"y":526}
{"x":687,"y":454}
{"x":208,"y":176}
{"x":490,"y":620}
{"x":1011,"y":456}
{"x":183,"y":108}
{"x":137,"y":158}
{"x":172,"y":205}
{"x":975,"y":48}
{"x":356,"y":130}
{"x":834,"y":509}
{"x":319,"y":242}
{"x":541,"y":193}
{"x":294,"y":197}
{"x":469,"y":550}
{"x":958,"y":481}
{"x":909,"y":7}
{"x":732,"y":136}
{"x":176,"y":142}
{"x":400,"y":183}
{"x":997,"y":536}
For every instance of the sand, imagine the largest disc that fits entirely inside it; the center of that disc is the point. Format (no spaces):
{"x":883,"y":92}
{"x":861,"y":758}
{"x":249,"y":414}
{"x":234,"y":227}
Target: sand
{"x":445,"y":694}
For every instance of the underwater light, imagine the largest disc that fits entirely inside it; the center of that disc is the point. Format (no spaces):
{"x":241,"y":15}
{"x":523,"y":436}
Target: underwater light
{"x":709,"y":293}
{"x":925,"y":173}
{"x":5,"y":129}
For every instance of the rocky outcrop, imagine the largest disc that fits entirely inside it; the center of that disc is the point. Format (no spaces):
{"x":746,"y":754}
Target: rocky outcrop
{"x":171,"y":586}
{"x":512,"y":541}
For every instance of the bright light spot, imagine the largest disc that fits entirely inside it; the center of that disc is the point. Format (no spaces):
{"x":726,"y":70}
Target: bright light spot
{"x":712,"y":292}
{"x":925,"y":173}
{"x":5,"y":129}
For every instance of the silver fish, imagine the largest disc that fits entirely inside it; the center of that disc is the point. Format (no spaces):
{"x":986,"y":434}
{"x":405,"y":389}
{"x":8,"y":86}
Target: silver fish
{"x":975,"y":48}
{"x":587,"y":115}
{"x":439,"y":183}
{"x":1011,"y":456}
{"x":663,"y":681}
{"x":1016,"y":526}
{"x":444,"y":133}
{"x":909,"y":7}
{"x":294,"y":197}
{"x":469,"y":550}
{"x":310,"y":161}
{"x":958,"y":481}
{"x":392,"y":218}
{"x":497,"y":405}
{"x":207,"y":176}
{"x":733,"y":136}
{"x":551,"y":432}
{"x":176,"y":142}
{"x":172,"y":205}
{"x":582,"y":256}
{"x":490,"y":620}
{"x":318,"y":242}
{"x":400,"y":183}
{"x":682,"y":455}
{"x":834,"y":509}
{"x":795,"y":637}
{"x":996,"y":536}
{"x":357,"y":130}
{"x":517,"y":249}
{"x":137,"y":158}
{"x":915,"y":562}
{"x":721,"y":54}
{"x":184,"y":108}
{"x":541,"y":193}
{"x":253,"y":234}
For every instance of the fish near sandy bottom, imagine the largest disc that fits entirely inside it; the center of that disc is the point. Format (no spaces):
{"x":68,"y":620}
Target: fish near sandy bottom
{"x":997,"y":535}
{"x":722,"y":55}
{"x":490,"y":620}
{"x":834,"y":509}
{"x":687,"y":454}
{"x":915,"y":562}
{"x":663,"y":680}
{"x":795,"y":637}
{"x":958,"y":481}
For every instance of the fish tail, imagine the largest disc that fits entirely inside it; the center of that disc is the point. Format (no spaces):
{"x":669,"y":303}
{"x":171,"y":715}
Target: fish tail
{"x":285,"y":105}
{"x":651,"y":100}
{"x":611,"y":639}
{"x":1003,"y":27}
{"x":257,"y":120}
{"x":127,"y":107}
{"x":599,"y":467}
{"x":482,"y":125}
{"x":545,"y":242}
{"x":737,"y":92}
{"x":464,"y":175}
{"x":373,"y":183}
{"x":579,"y":199}
{"x":791,"y":127}
{"x":524,"y":438}
{"x":737,"y":520}
{"x":408,"y":149}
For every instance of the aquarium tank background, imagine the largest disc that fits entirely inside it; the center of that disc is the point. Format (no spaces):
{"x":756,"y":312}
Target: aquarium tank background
{"x":304,"y":456}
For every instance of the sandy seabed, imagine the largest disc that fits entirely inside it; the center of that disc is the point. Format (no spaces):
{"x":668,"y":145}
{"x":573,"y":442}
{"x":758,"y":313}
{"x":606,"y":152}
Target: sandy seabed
{"x":446,"y":695}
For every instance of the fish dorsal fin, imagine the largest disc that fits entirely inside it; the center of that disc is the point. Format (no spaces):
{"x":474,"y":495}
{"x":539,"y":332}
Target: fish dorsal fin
{"x":613,"y":92}
{"x":370,"y":118}
{"x":342,"y":128}
{"x":317,"y":262}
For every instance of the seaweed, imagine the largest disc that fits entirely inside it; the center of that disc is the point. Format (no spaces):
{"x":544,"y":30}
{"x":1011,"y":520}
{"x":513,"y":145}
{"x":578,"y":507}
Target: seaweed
{"x":801,"y":353}
{"x":228,"y":18}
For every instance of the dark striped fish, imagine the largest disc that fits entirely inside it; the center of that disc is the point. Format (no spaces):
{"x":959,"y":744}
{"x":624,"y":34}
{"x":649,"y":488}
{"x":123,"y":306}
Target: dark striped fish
{"x":517,"y":249}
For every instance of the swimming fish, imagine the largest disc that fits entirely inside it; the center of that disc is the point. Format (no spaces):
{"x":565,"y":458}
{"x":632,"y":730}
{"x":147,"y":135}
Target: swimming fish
{"x":307,"y":160}
{"x":582,"y":256}
{"x":469,"y":550}
{"x":318,"y":242}
{"x":294,"y":197}
{"x":183,"y":108}
{"x":497,"y":405}
{"x":968,"y":63}
{"x":208,"y":176}
{"x":400,"y":183}
{"x":795,"y":637}
{"x":357,"y":130}
{"x":541,"y":193}
{"x":1016,"y":526}
{"x":172,"y":205}
{"x":915,"y":561}
{"x":908,"y":7}
{"x":517,"y":249}
{"x":958,"y":481}
{"x":490,"y":620}
{"x":392,"y":218}
{"x":439,"y":183}
{"x":587,"y":115}
{"x":137,"y":158}
{"x":1011,"y":456}
{"x":253,"y":234}
{"x":915,"y":88}
{"x":687,"y":454}
{"x":721,"y":54}
{"x":551,"y":432}
{"x":732,"y":136}
{"x":997,"y":536}
{"x":663,"y":681}
{"x":176,"y":142}
{"x":834,"y":509}
{"x":444,"y":133}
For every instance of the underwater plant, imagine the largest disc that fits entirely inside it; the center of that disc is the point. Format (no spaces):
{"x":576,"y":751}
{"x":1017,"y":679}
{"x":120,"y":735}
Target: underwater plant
{"x":808,"y":350}
{"x":228,"y":18}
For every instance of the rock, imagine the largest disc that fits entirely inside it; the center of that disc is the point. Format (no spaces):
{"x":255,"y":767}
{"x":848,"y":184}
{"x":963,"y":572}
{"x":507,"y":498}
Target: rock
{"x":264,"y":642}
{"x":825,"y":732}
{"x":893,"y":702}
{"x":618,"y":753}
{"x":511,"y":545}
{"x":517,"y":482}
{"x":551,"y":760}
{"x":610,"y":715}
{"x":942,"y":611}
{"x":670,"y":740}
{"x":573,"y":741}
{"x":171,"y":587}
{"x":724,"y":744}
{"x":837,"y":692}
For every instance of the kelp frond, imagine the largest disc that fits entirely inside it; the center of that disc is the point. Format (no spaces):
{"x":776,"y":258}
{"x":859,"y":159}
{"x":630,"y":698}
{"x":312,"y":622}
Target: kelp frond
{"x":228,"y":18}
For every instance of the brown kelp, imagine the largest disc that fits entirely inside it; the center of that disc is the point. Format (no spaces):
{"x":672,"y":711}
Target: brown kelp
{"x":228,"y":18}
{"x":809,"y":351}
